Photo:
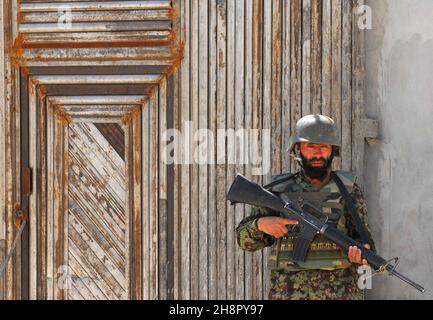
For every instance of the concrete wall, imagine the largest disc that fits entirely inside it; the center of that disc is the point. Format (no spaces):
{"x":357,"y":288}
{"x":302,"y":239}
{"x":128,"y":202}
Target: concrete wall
{"x":399,"y":168}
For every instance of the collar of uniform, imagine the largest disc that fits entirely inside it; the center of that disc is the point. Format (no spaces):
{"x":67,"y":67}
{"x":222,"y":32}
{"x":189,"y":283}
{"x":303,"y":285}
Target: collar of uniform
{"x":306,"y":184}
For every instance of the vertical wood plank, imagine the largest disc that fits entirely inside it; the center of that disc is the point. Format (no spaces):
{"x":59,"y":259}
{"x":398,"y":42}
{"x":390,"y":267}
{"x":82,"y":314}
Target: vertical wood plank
{"x":171,"y":227}
{"x":256,"y":123}
{"x":176,"y":201}
{"x":296,"y":64}
{"x":203,"y":107}
{"x":230,"y":124}
{"x":134,"y":216}
{"x":33,"y":198}
{"x":59,"y":242}
{"x":271,"y":108}
{"x":10,"y":149}
{"x":130,"y":280}
{"x":177,"y":286}
{"x":154,"y":195}
{"x":194,"y":78}
{"x":17,"y":175}
{"x":185,"y":174}
{"x":42,"y":204}
{"x":2,"y":150}
{"x":221,"y":150}
{"x":306,"y":57}
{"x":286,"y":86}
{"x":336,"y":69}
{"x":326,"y":56}
{"x":41,"y":200}
{"x":248,"y":125}
{"x":276,"y":112}
{"x":346,"y":94}
{"x":269,"y":83}
{"x":51,"y":273}
{"x":240,"y":114}
{"x":212,"y":111}
{"x":162,"y":179}
{"x":358,"y":82}
{"x":146,"y":198}
{"x":64,"y":225}
{"x":316,"y":56}
{"x":212,"y":115}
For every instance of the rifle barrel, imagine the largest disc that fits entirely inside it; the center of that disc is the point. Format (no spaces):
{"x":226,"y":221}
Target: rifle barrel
{"x":405,"y":279}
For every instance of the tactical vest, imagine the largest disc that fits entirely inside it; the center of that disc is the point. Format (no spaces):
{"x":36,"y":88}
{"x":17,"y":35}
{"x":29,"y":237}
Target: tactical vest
{"x":323,"y":253}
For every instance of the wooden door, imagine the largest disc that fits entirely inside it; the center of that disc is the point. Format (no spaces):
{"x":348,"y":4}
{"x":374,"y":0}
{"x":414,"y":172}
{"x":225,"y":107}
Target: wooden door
{"x":97,"y":256}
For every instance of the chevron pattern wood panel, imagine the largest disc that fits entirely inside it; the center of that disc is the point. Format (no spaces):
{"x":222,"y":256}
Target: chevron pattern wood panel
{"x":98,"y":234}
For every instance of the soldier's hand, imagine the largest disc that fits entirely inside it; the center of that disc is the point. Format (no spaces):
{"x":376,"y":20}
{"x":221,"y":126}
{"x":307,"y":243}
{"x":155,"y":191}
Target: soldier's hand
{"x":275,"y":226}
{"x":355,"y":255}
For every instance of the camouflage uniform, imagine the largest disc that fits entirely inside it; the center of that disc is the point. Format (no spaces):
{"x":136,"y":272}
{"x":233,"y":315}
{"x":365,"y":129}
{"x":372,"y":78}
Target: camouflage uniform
{"x":326,"y":273}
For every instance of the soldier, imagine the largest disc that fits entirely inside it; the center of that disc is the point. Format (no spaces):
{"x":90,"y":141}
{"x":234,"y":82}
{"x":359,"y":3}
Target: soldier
{"x":327,"y":272}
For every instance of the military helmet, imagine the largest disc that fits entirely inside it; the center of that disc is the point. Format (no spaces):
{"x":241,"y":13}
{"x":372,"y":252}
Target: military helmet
{"x":316,"y":128}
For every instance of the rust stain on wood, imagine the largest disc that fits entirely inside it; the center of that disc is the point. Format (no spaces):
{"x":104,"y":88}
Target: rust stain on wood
{"x":177,"y":45}
{"x":41,"y":92}
{"x":32,"y":85}
{"x":17,"y":52}
{"x":62,"y":116}
{"x":127,"y":118}
{"x":26,"y":181}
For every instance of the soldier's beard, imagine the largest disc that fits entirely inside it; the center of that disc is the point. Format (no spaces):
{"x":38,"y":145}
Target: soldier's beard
{"x":318,"y":173}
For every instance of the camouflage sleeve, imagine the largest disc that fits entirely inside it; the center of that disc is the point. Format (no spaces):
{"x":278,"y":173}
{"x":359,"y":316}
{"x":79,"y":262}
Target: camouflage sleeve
{"x":361,"y":207}
{"x":248,"y":236}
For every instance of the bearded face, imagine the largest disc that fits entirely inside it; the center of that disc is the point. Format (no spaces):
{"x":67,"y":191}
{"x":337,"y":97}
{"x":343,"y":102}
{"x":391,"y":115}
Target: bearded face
{"x":316,"y":159}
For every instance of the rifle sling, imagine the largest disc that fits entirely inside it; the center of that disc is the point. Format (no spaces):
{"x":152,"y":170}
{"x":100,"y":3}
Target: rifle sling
{"x":352,"y":210}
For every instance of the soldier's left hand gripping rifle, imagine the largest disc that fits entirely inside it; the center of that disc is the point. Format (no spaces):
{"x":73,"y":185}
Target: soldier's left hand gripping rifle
{"x":245,"y":191}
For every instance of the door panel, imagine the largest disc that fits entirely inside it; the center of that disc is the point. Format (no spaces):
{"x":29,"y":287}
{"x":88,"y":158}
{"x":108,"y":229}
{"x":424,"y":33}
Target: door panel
{"x":88,"y":211}
{"x":98,"y":220}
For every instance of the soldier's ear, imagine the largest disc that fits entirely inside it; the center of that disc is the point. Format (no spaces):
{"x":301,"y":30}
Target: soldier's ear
{"x":298,"y":150}
{"x":336,"y":151}
{"x":296,"y":153}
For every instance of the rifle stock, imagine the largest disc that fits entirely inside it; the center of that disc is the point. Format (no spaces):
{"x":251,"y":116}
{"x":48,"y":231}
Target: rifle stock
{"x":244,"y":191}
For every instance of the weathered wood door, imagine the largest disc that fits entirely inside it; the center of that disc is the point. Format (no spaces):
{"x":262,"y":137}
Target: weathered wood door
{"x":96,"y":187}
{"x":97,"y":255}
{"x":85,"y":212}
